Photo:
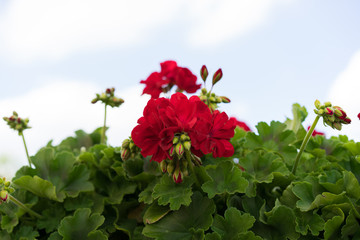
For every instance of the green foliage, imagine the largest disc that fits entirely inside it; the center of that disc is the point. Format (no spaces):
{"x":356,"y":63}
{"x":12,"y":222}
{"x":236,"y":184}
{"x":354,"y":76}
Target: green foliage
{"x":85,"y":190}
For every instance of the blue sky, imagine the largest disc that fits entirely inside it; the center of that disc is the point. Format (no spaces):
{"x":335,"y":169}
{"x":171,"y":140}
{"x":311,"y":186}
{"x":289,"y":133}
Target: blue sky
{"x":54,"y":56}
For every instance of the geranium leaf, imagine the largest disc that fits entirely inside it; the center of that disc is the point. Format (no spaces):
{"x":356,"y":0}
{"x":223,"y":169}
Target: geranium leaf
{"x":212,"y":236}
{"x":232,"y":224}
{"x":146,"y":195}
{"x":52,"y":217}
{"x":118,"y":188}
{"x":77,"y":181}
{"x":185,"y":223}
{"x":81,"y":224}
{"x":175,"y":194}
{"x":332,"y":226}
{"x":26,"y":233}
{"x":155,"y":212}
{"x":351,"y":227}
{"x":225,"y":178}
{"x":309,"y":221}
{"x":351,"y":185}
{"x":40,"y":187}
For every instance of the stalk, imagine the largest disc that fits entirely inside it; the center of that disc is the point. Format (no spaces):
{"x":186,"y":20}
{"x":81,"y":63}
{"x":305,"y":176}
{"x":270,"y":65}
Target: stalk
{"x":304,"y":143}
{"x":21,"y":205}
{"x":190,"y":164}
{"x":26,"y":150}
{"x":104,"y":128}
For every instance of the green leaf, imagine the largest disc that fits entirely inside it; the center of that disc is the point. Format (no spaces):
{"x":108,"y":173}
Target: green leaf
{"x":351,"y":227}
{"x":353,"y":147}
{"x":351,"y":185}
{"x":146,"y":195}
{"x":299,"y":115}
{"x":26,"y":233}
{"x":84,"y":200}
{"x":81,"y":224}
{"x":78,"y":181}
{"x":118,"y":188}
{"x":154,"y":213}
{"x":233,"y":224}
{"x":9,"y":222}
{"x":332,"y":181}
{"x":175,"y":194}
{"x":332,"y":226}
{"x":225,"y":178}
{"x":283,"y":219}
{"x":40,"y":187}
{"x":185,"y":224}
{"x":52,"y":217}
{"x":4,"y":235}
{"x":309,"y":221}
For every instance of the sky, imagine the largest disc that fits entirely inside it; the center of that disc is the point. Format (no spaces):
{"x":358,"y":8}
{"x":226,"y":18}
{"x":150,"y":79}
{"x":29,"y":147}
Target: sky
{"x":55,"y":55}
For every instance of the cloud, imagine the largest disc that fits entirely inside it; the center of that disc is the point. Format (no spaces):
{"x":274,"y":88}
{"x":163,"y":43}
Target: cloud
{"x":345,"y":93}
{"x":219,"y":21}
{"x":41,"y":29}
{"x":56,"y":110}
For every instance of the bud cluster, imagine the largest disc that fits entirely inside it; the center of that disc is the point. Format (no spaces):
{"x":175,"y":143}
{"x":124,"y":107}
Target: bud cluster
{"x":177,"y":167}
{"x":5,"y":190}
{"x":17,"y":123}
{"x":334,"y":116}
{"x":128,"y":149}
{"x":211,"y":99}
{"x":108,"y":97}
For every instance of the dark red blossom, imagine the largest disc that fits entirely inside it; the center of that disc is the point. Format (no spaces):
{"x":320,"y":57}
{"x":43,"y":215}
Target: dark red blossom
{"x":154,"y":84}
{"x":316,"y":132}
{"x":170,"y":75}
{"x":164,"y":118}
{"x":359,"y":116}
{"x":241,"y":124}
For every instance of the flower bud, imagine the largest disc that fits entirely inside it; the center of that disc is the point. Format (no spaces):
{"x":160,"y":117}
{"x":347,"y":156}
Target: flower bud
{"x":3,"y":195}
{"x":187,"y":145}
{"x":170,"y":167}
{"x":94,"y":100}
{"x":163,"y":166}
{"x":358,"y":116}
{"x":328,"y":111}
{"x":178,"y":175}
{"x":203,"y":98}
{"x":7,"y":183}
{"x":347,"y":120}
{"x":175,"y":140}
{"x":327,"y":104}
{"x":212,"y":99}
{"x":321,"y":112}
{"x":204,"y":73}
{"x":179,"y":149}
{"x":217,"y":76}
{"x":125,"y":143}
{"x":337,"y":125}
{"x":183,"y":137}
{"x":331,"y":118}
{"x":317,"y":104}
{"x":125,"y":153}
{"x":225,"y":99}
{"x":108,"y":90}
{"x":204,"y":91}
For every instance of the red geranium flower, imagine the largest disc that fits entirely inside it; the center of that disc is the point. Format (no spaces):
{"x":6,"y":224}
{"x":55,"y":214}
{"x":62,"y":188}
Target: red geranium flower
{"x":169,"y":76}
{"x":241,"y":124}
{"x":359,"y":116}
{"x":163,"y":118}
{"x":315,"y":132}
{"x":154,"y":84}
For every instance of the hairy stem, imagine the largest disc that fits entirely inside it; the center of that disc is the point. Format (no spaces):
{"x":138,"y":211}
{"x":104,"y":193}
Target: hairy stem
{"x":190,"y":164}
{"x":26,"y":150}
{"x":304,"y":143}
{"x":21,"y":205}
{"x":104,"y":128}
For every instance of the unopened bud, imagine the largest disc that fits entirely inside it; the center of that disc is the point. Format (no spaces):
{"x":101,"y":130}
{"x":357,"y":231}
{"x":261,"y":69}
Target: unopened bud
{"x":204,"y":73}
{"x":170,"y":167}
{"x":331,"y":118}
{"x":163,"y":166}
{"x":337,"y":113}
{"x":125,"y":153}
{"x":187,"y":145}
{"x":212,"y":99}
{"x":328,"y":111}
{"x":19,"y":120}
{"x":337,"y":125}
{"x":347,"y":120}
{"x":183,"y":137}
{"x":321,"y":112}
{"x":203,"y":98}
{"x":177,"y":175}
{"x":204,"y":91}
{"x":125,"y":143}
{"x":327,"y":104}
{"x":179,"y":149}
{"x":217,"y":76}
{"x":317,"y":104}
{"x":94,"y":100}
{"x":7,"y":184}
{"x":225,"y":99}
{"x":175,"y":140}
{"x":108,"y":90}
{"x":171,"y":151}
{"x":4,"y":195}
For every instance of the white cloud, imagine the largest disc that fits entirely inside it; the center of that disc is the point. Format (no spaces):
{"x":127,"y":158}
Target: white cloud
{"x":345,"y":93}
{"x":218,"y":21}
{"x":41,"y":29}
{"x":58,"y":109}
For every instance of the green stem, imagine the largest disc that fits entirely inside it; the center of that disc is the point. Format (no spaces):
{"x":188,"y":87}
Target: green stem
{"x":21,"y":205}
{"x":26,"y":150}
{"x":104,"y":128}
{"x":304,"y":143}
{"x":190,"y":164}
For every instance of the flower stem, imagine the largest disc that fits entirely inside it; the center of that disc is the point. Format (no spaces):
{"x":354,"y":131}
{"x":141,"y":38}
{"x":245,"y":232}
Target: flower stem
{"x":21,"y":205}
{"x":26,"y":150}
{"x":304,"y":143}
{"x":190,"y":164}
{"x":104,"y":128}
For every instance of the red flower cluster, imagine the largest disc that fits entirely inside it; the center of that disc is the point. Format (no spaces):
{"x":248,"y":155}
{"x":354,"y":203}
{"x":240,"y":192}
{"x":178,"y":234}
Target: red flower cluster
{"x":315,"y":132}
{"x":241,"y":124}
{"x":163,"y":118}
{"x":169,"y":76}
